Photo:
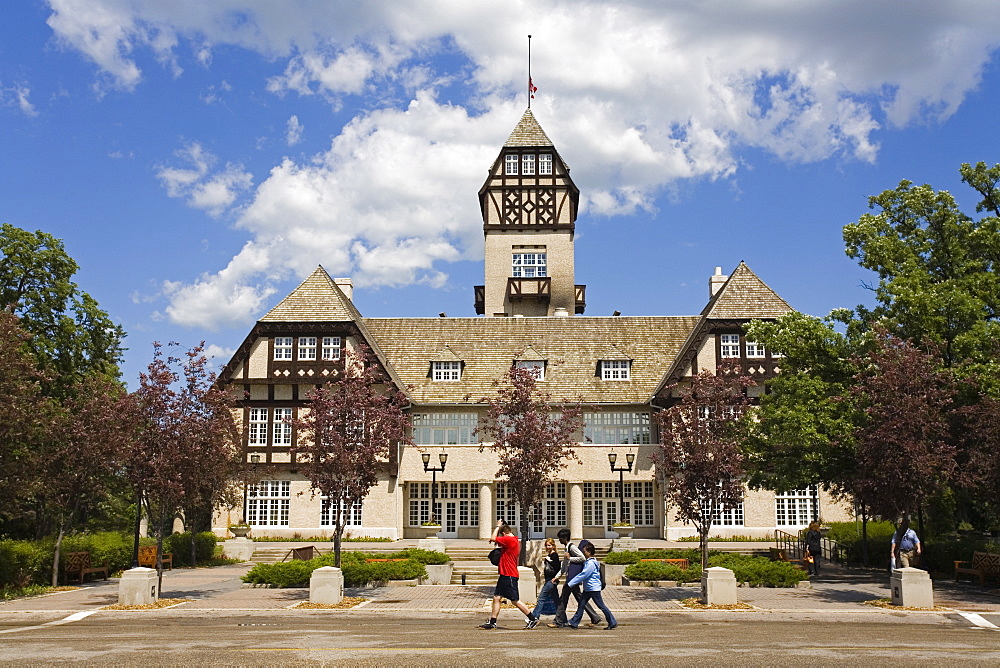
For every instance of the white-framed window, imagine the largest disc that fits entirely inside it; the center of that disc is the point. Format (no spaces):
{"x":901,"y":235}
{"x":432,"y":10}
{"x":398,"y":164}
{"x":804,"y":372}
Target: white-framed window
{"x":331,"y":348}
{"x":307,"y":348}
{"x":528,"y":164}
{"x":545,"y":163}
{"x":730,"y":516}
{"x":510,"y":164}
{"x":352,"y":515}
{"x":448,"y":371}
{"x":529,"y":265}
{"x":601,"y":500}
{"x":257,"y":427}
{"x":754,"y":349}
{"x":609,"y":428}
{"x":536,"y":367}
{"x":729,"y":345}
{"x":282,"y":429}
{"x":444,"y":428}
{"x":282,"y":347}
{"x":267,"y":503}
{"x":796,"y":508}
{"x":615,"y":369}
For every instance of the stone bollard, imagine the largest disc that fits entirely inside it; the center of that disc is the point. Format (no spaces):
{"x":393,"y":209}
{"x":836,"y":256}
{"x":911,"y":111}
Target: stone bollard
{"x":326,"y":586}
{"x":718,"y":586}
{"x":432,"y":544}
{"x":439,"y":574}
{"x":614,"y":574}
{"x":527,"y":587}
{"x":911,"y":588}
{"x":138,"y":586}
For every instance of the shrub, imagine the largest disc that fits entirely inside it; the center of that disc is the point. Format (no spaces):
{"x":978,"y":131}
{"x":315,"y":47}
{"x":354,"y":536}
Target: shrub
{"x":657,"y":570}
{"x":759,"y":571}
{"x":113,"y":546}
{"x":356,"y":570}
{"x":24,"y":563}
{"x":692,"y":555}
{"x":284,"y":574}
{"x":180,"y":545}
{"x":430,"y":557}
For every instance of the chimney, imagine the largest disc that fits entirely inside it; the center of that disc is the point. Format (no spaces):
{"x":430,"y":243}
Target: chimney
{"x":715,"y":282}
{"x":346,"y":286}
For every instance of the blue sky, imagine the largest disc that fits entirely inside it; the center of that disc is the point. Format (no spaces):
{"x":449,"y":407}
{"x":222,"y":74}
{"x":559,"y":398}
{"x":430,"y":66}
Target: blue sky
{"x":200,"y":159}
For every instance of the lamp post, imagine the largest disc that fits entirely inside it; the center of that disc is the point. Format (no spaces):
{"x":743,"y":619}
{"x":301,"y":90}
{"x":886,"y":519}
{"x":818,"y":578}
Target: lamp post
{"x":443,"y":458}
{"x":620,"y":470}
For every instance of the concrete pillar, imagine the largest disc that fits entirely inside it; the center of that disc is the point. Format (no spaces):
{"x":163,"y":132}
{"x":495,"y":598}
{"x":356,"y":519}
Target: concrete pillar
{"x":718,"y":586}
{"x":527,"y":586}
{"x":486,"y":508}
{"x":326,"y":586}
{"x":574,"y":509}
{"x":138,"y":586}
{"x":912,"y":588}
{"x":433,"y":544}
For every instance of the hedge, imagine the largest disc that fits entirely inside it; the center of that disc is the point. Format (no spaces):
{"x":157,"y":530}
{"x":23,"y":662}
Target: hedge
{"x":357,"y":571}
{"x":179,"y":544}
{"x":756,"y":571}
{"x":691,"y":554}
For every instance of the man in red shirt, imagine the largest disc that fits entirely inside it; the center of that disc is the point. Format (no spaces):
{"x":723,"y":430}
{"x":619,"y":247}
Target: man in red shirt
{"x":506,"y":587}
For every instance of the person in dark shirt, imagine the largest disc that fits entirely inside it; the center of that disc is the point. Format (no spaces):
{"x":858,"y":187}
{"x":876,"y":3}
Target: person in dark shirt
{"x":550,"y":573}
{"x":506,"y":587}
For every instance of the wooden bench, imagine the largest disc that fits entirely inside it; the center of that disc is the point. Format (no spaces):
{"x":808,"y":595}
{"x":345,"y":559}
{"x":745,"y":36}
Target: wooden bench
{"x":983,"y":565}
{"x":147,"y":557}
{"x":78,"y":565}
{"x":682,"y":564}
{"x":777,"y":554}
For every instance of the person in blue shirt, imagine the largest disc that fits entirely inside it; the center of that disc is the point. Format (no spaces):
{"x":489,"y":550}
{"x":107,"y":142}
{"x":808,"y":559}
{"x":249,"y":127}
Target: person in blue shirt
{"x":909,"y":548}
{"x":590,"y":578}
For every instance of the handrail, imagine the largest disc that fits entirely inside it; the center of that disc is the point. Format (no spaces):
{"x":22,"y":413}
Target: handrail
{"x":794,"y":546}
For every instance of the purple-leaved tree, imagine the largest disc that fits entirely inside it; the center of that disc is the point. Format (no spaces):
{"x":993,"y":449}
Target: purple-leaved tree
{"x":700,"y":456}
{"x":531,"y":437}
{"x":347,"y":432}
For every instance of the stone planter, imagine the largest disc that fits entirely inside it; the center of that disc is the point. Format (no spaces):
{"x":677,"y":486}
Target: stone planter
{"x":614,"y":574}
{"x":624,"y":531}
{"x":439,"y":574}
{"x":427,"y":530}
{"x":239,"y":531}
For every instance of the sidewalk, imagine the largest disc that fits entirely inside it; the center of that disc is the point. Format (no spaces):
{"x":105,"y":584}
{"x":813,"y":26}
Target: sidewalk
{"x":838,"y":590}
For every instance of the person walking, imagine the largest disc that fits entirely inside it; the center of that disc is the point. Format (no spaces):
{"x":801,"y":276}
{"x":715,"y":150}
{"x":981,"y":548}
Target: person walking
{"x":571,"y":566}
{"x":814,"y":548}
{"x":590,"y":578}
{"x":550,"y":572}
{"x":909,"y":549}
{"x":506,"y":587}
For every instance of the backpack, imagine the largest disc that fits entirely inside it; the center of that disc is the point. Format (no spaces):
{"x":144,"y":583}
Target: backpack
{"x":604,"y":583}
{"x":495,"y":555}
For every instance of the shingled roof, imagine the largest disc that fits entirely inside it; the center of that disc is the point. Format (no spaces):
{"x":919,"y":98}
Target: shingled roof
{"x":528,"y":133}
{"x":745,"y":297}
{"x":317,"y":298}
{"x":572,"y":348}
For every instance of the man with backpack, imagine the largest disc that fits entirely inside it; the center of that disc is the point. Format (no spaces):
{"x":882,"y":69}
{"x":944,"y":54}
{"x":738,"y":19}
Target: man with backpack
{"x":572,"y":566}
{"x":506,"y":587}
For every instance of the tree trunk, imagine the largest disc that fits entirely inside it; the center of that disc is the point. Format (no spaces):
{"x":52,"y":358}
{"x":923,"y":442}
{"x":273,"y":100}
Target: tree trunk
{"x":138,"y":525}
{"x":58,"y":550}
{"x":159,"y":551}
{"x":864,"y":536}
{"x":194,"y":549}
{"x":338,"y":532}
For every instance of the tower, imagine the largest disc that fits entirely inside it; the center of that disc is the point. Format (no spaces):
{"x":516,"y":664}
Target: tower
{"x":529,"y":204}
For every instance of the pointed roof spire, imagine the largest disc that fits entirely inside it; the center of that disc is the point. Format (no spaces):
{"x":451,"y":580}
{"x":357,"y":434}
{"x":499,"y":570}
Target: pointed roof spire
{"x":528,"y":133}
{"x":744,"y":296}
{"x":318,"y":298}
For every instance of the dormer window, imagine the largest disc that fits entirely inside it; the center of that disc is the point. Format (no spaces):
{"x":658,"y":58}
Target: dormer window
{"x":528,"y":164}
{"x":446,"y":371}
{"x":754,"y":349}
{"x":510,"y":167}
{"x":536,"y":367}
{"x":545,"y":163}
{"x":615,"y":369}
{"x":729,"y":345}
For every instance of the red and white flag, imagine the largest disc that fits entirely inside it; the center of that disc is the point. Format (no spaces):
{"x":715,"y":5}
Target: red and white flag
{"x":531,"y":88}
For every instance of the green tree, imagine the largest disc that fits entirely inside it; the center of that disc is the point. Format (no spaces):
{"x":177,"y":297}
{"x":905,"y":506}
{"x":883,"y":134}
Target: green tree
{"x":72,"y":337}
{"x":936,"y":266}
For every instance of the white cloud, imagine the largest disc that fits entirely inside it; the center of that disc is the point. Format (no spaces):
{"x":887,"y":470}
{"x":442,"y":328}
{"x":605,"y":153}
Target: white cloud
{"x":213,"y":192}
{"x":293,"y":132}
{"x":636,"y":95}
{"x":17,"y":96}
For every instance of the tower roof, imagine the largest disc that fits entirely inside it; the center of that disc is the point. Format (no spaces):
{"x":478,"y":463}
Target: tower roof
{"x":528,"y":133}
{"x":745,"y":296}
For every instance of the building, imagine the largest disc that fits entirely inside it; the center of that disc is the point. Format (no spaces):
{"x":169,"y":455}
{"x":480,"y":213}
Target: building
{"x":623,"y":367}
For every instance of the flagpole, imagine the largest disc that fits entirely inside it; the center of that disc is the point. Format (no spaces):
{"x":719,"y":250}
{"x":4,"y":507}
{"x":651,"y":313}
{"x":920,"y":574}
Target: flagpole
{"x":529,"y":71}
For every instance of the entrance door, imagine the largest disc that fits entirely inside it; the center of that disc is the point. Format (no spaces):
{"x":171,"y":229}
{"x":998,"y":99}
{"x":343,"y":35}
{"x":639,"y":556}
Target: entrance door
{"x":536,"y":524}
{"x":611,"y":515}
{"x":449,"y":525}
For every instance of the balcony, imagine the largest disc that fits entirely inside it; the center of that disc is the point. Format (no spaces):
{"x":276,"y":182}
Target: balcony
{"x":519,"y":289}
{"x":581,"y":299}
{"x":480,"y":298}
